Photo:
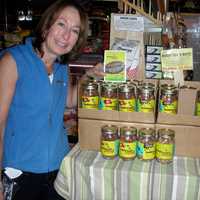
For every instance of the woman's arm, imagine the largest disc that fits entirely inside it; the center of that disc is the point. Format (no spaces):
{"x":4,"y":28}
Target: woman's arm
{"x":8,"y":78}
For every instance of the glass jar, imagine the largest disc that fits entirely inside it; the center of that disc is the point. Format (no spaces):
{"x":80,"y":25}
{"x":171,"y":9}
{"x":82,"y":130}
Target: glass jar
{"x":165,"y":145}
{"x":198,"y":104}
{"x":90,"y":95}
{"x":108,"y":99}
{"x":126,"y":97}
{"x":109,"y":141}
{"x":127,"y":144}
{"x":146,"y":97}
{"x":168,"y":99}
{"x":146,"y":146}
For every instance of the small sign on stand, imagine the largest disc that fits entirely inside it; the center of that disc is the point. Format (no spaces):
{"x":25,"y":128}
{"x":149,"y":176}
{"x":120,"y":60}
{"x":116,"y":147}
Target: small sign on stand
{"x":115,"y":66}
{"x":177,"y":60}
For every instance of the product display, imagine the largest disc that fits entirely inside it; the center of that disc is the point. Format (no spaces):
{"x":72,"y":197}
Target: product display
{"x":144,"y":143}
{"x":165,"y":145}
{"x":146,"y":147}
{"x":146,"y":97}
{"x":127,"y":97}
{"x":108,"y":97}
{"x":168,"y":99}
{"x":90,"y":96}
{"x":109,"y":141}
{"x":128,"y":143}
{"x":124,"y":97}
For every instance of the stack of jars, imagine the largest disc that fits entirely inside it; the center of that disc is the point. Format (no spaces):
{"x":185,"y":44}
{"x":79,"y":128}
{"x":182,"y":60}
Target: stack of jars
{"x":125,"y":97}
{"x":145,"y":145}
{"x":129,"y":97}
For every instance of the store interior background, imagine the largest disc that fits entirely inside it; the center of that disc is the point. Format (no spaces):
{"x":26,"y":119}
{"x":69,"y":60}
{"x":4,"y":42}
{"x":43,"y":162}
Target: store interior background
{"x":99,"y":15}
{"x":12,"y":13}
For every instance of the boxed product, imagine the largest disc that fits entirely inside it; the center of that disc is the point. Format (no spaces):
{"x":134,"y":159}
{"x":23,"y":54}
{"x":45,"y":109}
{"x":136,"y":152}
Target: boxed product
{"x":180,"y":107}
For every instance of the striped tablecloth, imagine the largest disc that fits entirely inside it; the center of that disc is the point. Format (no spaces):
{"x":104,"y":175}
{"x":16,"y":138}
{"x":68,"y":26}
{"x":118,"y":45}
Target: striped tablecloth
{"x":85,"y":175}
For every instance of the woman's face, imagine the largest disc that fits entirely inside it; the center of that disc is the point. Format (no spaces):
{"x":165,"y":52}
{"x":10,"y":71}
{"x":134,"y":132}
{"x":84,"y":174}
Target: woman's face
{"x":63,"y":34}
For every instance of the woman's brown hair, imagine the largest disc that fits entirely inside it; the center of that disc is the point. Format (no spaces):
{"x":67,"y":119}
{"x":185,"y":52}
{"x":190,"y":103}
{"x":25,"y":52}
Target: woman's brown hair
{"x":48,"y":19}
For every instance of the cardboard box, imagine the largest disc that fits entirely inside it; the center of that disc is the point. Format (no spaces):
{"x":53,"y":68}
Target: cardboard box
{"x":90,"y":131}
{"x":114,"y":115}
{"x":187,"y":139}
{"x":186,"y":106}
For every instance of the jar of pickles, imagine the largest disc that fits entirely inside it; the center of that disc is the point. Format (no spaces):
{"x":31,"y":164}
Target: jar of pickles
{"x":165,"y":145}
{"x":198,"y":104}
{"x":168,"y":99}
{"x":109,"y":97}
{"x":146,"y":146}
{"x":109,"y":141}
{"x":128,"y":142}
{"x":146,"y":97}
{"x":126,"y":97}
{"x":90,"y":96}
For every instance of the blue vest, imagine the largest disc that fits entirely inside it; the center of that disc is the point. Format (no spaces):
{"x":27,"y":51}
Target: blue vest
{"x":34,"y":138}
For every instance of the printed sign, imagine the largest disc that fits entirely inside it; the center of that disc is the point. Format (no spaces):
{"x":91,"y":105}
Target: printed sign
{"x":128,"y":23}
{"x":177,"y":59}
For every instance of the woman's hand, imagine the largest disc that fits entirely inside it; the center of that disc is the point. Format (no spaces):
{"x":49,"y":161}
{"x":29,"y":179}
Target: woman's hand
{"x":97,"y":71}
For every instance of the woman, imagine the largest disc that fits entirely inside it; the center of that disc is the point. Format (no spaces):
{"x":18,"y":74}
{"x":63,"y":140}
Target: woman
{"x":34,"y":88}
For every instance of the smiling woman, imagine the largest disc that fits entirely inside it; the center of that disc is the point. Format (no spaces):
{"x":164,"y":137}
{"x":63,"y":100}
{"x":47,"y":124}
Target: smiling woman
{"x":34,"y":89}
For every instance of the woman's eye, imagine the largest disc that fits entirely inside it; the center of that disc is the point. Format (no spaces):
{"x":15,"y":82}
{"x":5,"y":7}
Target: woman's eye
{"x":61,"y":24}
{"x":76,"y":31}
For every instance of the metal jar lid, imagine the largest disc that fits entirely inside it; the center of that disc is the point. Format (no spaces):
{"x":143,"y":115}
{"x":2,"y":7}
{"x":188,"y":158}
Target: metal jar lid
{"x":147,"y":132}
{"x":146,"y":88}
{"x":125,"y":88}
{"x":128,"y":131}
{"x":109,"y":87}
{"x":168,"y":89}
{"x":91,"y":86}
{"x":109,"y":129}
{"x":166,"y":133}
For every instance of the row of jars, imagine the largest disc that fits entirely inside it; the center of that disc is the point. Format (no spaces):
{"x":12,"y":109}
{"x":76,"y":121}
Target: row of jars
{"x":147,"y":145}
{"x":129,"y":97}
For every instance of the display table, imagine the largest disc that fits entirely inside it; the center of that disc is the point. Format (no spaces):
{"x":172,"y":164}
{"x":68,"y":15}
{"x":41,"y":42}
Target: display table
{"x":85,"y":175}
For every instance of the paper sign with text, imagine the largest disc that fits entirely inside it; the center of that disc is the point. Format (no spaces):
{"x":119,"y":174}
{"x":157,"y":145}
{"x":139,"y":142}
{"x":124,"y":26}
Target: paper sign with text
{"x":177,"y":59}
{"x":128,"y":23}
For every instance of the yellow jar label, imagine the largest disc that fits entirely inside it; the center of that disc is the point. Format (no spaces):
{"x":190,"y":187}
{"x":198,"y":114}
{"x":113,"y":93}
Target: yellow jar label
{"x":168,"y":108}
{"x":109,"y":148}
{"x":146,"y":151}
{"x":90,"y":102}
{"x":108,"y":103}
{"x":127,"y":105}
{"x":146,"y":106}
{"x":164,"y":151}
{"x":127,"y":149}
{"x":198,"y":109}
